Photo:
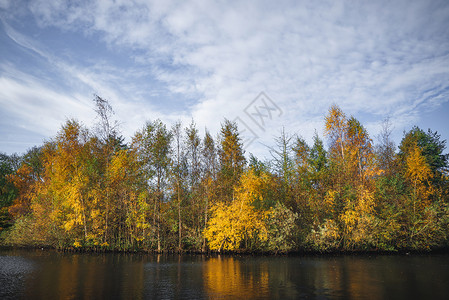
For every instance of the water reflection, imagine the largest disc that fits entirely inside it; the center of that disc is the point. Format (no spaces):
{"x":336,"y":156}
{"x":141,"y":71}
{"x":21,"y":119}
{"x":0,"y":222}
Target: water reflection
{"x":230,"y":277}
{"x":50,"y":275}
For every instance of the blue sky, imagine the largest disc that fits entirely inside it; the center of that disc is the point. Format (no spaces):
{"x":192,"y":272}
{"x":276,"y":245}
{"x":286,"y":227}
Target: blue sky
{"x":210,"y":60}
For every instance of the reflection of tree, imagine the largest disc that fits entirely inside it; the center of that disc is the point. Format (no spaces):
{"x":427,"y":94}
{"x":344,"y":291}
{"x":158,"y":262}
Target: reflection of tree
{"x":230,"y":277}
{"x":122,"y":276}
{"x":67,"y":282}
{"x":350,"y":278}
{"x":87,"y":276}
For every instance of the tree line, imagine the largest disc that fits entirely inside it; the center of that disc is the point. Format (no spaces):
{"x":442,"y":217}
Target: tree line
{"x":170,"y":189}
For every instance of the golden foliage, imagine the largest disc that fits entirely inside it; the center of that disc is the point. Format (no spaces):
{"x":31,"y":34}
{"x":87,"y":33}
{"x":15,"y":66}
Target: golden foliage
{"x":231,"y":223}
{"x":24,"y":183}
{"x":419,"y":174}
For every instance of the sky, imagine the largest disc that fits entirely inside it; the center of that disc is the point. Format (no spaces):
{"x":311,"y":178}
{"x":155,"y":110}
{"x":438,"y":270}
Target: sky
{"x":267,"y":65}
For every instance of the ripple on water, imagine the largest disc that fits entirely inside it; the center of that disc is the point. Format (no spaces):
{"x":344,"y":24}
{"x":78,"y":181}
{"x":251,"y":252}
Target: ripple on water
{"x":12,"y":272}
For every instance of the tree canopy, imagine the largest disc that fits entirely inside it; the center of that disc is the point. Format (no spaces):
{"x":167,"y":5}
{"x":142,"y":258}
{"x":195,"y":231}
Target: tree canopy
{"x":172,"y":189}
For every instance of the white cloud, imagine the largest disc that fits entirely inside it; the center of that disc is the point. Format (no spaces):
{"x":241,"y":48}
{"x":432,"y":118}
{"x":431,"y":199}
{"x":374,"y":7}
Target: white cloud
{"x":380,"y":58}
{"x":38,"y":108}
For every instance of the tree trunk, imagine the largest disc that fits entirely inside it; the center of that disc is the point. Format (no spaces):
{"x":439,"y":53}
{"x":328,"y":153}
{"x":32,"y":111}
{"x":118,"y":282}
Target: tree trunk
{"x":179,"y":220}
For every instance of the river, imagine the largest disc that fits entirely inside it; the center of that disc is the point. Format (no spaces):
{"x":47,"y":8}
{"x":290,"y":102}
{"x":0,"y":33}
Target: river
{"x":44,"y":274}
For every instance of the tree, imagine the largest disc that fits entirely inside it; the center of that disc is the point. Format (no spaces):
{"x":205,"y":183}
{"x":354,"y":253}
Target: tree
{"x":385,"y":149}
{"x":152,"y":145}
{"x":318,"y":177}
{"x":209,"y":179}
{"x":335,"y":130}
{"x":178,"y":170}
{"x":283,"y":165}
{"x":129,"y":216}
{"x":194,"y":166}
{"x":193,"y":147}
{"x":353,"y":168}
{"x":8,"y":191}
{"x":418,"y":173}
{"x":302,"y":170}
{"x":282,"y":228}
{"x":318,"y":163}
{"x":360,"y":151}
{"x":431,"y":146}
{"x":106,"y":127}
{"x":236,"y":222}
{"x":66,"y":202}
{"x":231,"y":158}
{"x":23,"y":182}
{"x":110,"y":142}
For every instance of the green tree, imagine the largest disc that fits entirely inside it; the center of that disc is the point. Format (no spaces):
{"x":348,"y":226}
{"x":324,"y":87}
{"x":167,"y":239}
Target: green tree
{"x":194,"y":169}
{"x":152,"y":145}
{"x":178,"y":169}
{"x":385,"y":149}
{"x":432,"y":148}
{"x":231,"y":158}
{"x":431,"y":145}
{"x":209,"y":179}
{"x":283,"y":166}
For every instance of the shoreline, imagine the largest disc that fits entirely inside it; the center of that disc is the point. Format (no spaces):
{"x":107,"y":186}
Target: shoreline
{"x":298,"y":253}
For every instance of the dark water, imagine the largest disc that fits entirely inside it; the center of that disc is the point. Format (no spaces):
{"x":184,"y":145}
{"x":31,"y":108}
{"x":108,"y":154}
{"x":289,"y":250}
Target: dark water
{"x":53,"y":275}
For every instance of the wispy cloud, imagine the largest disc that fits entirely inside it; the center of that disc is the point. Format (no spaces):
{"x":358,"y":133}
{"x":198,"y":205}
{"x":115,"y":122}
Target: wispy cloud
{"x":209,"y":60}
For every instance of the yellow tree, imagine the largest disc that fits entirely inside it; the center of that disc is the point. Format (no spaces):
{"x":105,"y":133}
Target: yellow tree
{"x":70,"y":181}
{"x":353,"y":168}
{"x":361,"y":157}
{"x":130,"y":210}
{"x":335,"y":130}
{"x":418,"y":173}
{"x":231,"y":158}
{"x":237,"y":222}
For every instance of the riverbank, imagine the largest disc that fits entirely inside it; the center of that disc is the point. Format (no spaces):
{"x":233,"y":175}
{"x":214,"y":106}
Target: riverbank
{"x":337,"y":252}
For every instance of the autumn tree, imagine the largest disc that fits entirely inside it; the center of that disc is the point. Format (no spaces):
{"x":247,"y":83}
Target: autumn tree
{"x":302,"y":186}
{"x":431,"y":145}
{"x":231,"y":159}
{"x":130,"y":224}
{"x":318,"y":176}
{"x":194,"y":169}
{"x":283,"y":166}
{"x":238,"y":224}
{"x":418,"y":173}
{"x":8,"y":190}
{"x":65,"y":201}
{"x":153,"y":148}
{"x":390,"y":190}
{"x":335,"y":130}
{"x":385,"y":149}
{"x":209,"y":178}
{"x":360,"y":151}
{"x":178,"y":169}
{"x":353,"y":168}
{"x":432,"y":148}
{"x":171,"y":189}
{"x":23,"y":182}
{"x":109,"y":142}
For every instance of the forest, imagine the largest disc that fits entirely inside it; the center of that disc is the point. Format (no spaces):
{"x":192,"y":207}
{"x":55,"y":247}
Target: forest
{"x":170,"y":189}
